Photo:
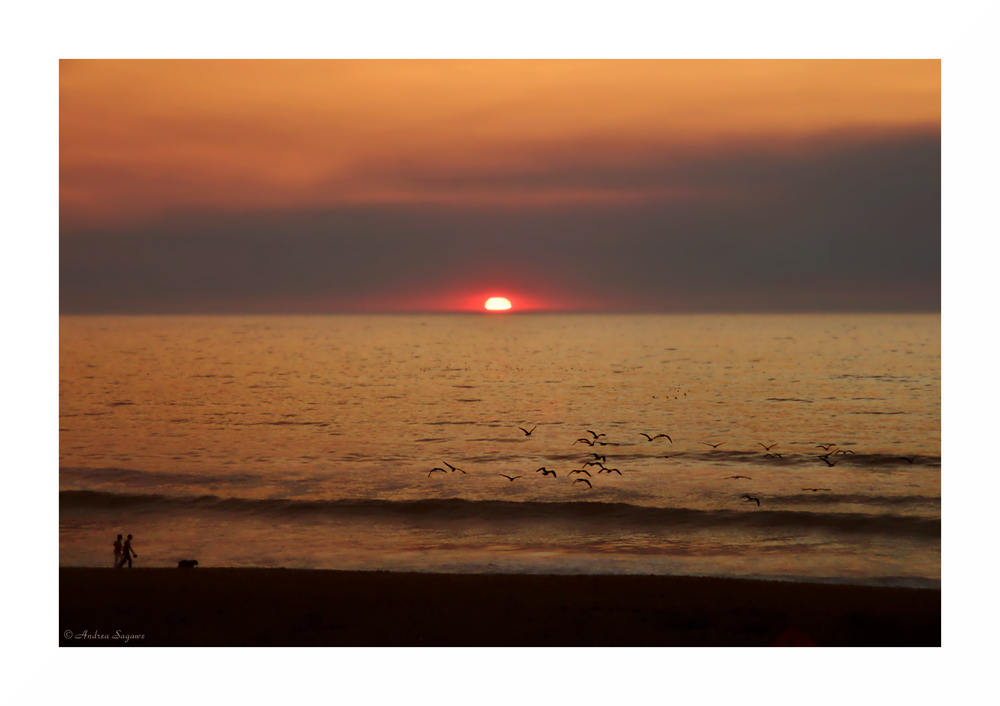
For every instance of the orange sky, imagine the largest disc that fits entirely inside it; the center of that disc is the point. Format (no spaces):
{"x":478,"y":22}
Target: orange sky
{"x":142,"y":138}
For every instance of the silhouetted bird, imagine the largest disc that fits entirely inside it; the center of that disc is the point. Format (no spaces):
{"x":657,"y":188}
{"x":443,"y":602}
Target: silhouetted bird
{"x":825,"y":447}
{"x":842,"y":451}
{"x":453,"y":469}
{"x":580,"y":471}
{"x":436,"y":469}
{"x":594,"y":463}
{"x":608,"y":470}
{"x":583,"y":440}
{"x":766,"y":448}
{"x":773,"y":456}
{"x":714,"y":446}
{"x":510,"y":478}
{"x":737,"y":477}
{"x":526,"y":432}
{"x":827,"y":461}
{"x":599,"y":457}
{"x":547,"y":472}
{"x":751,"y":498}
{"x":595,"y":434}
{"x":583,"y":480}
{"x":656,"y":437}
{"x":815,"y":490}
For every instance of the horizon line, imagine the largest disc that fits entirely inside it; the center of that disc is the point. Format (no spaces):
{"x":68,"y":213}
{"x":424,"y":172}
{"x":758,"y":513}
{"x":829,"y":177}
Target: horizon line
{"x":529,"y":312}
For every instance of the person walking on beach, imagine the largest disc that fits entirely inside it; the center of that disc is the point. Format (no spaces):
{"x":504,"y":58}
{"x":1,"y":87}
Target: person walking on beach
{"x":127,"y":557}
{"x":118,"y":552}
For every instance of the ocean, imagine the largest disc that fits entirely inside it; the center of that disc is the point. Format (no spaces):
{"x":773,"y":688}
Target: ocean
{"x":311,"y":442}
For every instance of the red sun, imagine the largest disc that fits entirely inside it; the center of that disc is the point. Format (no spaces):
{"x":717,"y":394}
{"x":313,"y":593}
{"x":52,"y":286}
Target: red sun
{"x":497,"y":304}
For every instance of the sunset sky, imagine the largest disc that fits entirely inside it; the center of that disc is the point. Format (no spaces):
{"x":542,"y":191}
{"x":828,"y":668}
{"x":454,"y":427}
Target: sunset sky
{"x":578,"y":185}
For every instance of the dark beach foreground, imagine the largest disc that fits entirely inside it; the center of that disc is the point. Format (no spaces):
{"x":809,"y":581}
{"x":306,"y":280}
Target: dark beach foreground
{"x":290,"y":607}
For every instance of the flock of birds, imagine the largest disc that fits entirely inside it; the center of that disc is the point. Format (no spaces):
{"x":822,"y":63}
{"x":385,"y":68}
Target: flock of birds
{"x":599,"y":460}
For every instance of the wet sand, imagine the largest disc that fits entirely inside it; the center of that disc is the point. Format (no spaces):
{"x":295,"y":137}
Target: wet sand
{"x":291,"y":607}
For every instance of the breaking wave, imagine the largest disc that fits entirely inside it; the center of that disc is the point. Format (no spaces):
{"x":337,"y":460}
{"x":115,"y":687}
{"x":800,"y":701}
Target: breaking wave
{"x":619,"y":515}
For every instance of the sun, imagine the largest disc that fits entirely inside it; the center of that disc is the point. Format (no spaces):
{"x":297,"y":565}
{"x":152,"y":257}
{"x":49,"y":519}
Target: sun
{"x":497,"y":304}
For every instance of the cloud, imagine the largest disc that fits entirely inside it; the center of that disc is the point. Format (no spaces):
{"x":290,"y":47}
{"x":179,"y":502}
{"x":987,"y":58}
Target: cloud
{"x":142,"y":139}
{"x":840,"y":225}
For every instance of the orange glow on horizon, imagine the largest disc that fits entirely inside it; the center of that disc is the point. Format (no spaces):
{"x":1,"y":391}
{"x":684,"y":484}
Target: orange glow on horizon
{"x":141,"y":138}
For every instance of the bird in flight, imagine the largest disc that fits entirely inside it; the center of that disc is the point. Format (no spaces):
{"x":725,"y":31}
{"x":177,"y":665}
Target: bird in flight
{"x":526,"y":432}
{"x":599,"y":457}
{"x":547,"y":472}
{"x":580,"y":471}
{"x":751,"y":498}
{"x":766,"y":448}
{"x":453,"y":468}
{"x":595,"y":434}
{"x":584,"y":440}
{"x":436,"y":469}
{"x":815,"y":490}
{"x":510,"y":478}
{"x":773,"y":456}
{"x":714,"y":446}
{"x":737,"y":477}
{"x":656,"y":437}
{"x":842,"y":451}
{"x":594,"y":463}
{"x":827,"y":461}
{"x":825,"y":447}
{"x":608,"y":471}
{"x":583,"y":480}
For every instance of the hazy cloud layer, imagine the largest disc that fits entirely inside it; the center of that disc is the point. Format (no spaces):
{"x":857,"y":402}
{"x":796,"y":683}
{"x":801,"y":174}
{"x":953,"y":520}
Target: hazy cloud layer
{"x":847,"y":224}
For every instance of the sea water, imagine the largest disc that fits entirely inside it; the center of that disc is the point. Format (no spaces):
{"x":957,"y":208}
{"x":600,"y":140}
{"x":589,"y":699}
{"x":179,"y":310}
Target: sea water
{"x":310,"y":442}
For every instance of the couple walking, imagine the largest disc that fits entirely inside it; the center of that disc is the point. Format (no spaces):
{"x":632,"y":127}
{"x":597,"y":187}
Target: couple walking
{"x":124,"y":553}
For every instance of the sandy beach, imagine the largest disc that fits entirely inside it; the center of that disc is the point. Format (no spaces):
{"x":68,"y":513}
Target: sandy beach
{"x":289,"y":607}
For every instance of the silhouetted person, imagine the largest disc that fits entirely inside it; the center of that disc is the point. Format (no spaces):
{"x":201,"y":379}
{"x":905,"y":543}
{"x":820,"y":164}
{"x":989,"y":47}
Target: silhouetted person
{"x":118,"y":552}
{"x":127,"y":556}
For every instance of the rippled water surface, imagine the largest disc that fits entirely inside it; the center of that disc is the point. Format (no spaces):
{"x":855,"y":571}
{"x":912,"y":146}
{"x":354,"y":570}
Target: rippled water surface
{"x":310,"y":441}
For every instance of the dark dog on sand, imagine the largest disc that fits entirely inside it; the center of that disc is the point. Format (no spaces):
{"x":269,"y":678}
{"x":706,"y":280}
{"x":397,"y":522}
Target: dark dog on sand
{"x":187,"y":563}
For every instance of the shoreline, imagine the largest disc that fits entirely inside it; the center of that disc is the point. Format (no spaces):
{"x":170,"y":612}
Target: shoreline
{"x":230,"y":607}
